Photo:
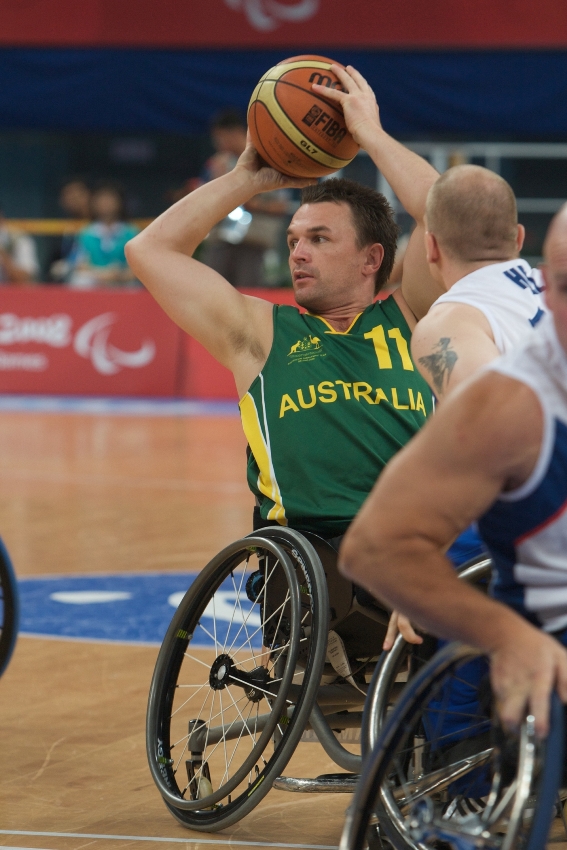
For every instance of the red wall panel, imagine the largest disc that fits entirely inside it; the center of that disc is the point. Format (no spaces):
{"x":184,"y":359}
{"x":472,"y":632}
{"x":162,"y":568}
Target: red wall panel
{"x":273,"y":23}
{"x":57,"y":341}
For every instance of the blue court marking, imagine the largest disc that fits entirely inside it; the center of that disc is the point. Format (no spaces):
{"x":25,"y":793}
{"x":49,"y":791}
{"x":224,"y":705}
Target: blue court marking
{"x":117,"y":406}
{"x":128,"y":608}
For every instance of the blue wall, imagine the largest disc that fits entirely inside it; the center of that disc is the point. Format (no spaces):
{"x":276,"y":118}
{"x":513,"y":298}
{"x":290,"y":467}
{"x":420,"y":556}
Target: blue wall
{"x":505,"y":94}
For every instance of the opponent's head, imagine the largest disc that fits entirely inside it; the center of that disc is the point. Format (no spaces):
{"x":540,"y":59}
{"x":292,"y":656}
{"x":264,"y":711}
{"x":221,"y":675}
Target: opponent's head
{"x":471,"y":219}
{"x":342,"y":241}
{"x":554,"y":270}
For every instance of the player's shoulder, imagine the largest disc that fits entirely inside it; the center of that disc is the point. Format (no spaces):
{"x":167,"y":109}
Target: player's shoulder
{"x":451,"y":318}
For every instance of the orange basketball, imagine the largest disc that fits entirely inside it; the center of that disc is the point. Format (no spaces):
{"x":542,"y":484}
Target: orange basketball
{"x":294,"y":130}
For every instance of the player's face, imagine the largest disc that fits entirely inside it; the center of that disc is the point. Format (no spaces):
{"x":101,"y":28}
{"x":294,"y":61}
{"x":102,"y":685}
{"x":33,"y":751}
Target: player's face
{"x":328,"y":269}
{"x":555,"y":274}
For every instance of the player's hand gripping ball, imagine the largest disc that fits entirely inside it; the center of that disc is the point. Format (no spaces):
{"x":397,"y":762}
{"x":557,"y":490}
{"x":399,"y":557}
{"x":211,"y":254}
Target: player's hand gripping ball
{"x":294,"y":130}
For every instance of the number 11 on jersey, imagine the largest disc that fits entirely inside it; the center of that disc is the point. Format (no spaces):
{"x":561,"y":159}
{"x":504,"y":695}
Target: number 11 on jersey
{"x":378,"y":337}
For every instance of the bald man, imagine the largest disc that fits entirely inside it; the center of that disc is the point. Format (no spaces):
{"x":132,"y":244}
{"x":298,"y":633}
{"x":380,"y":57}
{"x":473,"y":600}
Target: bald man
{"x":496,"y":451}
{"x":492,"y":298}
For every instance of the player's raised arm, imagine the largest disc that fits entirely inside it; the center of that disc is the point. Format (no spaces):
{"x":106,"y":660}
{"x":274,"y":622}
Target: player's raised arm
{"x":236,"y":329}
{"x":408,"y":174}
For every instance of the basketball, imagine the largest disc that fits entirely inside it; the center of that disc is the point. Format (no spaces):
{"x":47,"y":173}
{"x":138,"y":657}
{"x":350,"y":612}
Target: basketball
{"x":296,"y":131}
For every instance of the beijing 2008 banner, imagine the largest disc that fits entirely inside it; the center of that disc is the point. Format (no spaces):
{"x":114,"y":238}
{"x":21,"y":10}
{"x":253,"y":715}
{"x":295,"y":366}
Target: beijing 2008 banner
{"x":273,"y":23}
{"x":86,"y":343}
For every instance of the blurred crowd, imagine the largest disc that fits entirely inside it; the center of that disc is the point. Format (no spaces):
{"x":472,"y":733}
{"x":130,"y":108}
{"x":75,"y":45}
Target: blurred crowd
{"x":88,"y":253}
{"x":89,"y":257}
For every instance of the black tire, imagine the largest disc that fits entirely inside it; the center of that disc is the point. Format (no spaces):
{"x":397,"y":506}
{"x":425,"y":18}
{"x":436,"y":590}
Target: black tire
{"x":288,"y":618}
{"x":403,"y":661}
{"x":422,"y":779}
{"x":9,"y":608}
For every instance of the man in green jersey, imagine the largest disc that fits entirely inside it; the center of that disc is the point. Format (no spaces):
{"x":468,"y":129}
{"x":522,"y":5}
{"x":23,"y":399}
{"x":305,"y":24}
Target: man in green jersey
{"x":330,"y":395}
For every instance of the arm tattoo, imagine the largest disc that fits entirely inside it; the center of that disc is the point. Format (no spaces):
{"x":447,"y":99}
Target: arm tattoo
{"x":441,"y":363}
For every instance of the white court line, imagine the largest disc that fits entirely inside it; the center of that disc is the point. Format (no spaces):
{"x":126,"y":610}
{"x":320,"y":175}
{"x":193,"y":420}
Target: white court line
{"x":106,"y":641}
{"x":118,"y":406}
{"x":228,"y":843}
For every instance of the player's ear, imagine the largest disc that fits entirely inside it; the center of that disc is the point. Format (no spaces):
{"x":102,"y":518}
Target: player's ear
{"x":520,"y":236}
{"x":374,"y":256}
{"x":431,"y":248}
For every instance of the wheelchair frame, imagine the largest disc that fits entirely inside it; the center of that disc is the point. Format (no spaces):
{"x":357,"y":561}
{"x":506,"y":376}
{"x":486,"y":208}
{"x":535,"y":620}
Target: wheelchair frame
{"x":402,"y":793}
{"x":323,"y":701}
{"x":9,"y":608}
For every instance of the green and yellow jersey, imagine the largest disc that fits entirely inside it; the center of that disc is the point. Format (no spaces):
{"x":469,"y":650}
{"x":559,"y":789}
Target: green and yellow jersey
{"x":327,"y":412}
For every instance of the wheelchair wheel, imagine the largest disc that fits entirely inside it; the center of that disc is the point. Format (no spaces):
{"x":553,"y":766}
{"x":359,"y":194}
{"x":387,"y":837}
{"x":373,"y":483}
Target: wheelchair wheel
{"x":224,"y":720}
{"x":444,"y":774}
{"x":397,"y":666}
{"x":9,"y":608}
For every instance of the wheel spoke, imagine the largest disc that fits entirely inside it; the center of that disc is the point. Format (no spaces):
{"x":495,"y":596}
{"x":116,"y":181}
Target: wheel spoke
{"x":237,"y":743}
{"x":263,"y":625}
{"x":234,"y":608}
{"x":262,"y":592}
{"x":188,"y":700}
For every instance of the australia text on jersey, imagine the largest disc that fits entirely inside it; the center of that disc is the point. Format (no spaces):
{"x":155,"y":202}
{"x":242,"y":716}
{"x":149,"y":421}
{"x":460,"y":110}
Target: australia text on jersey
{"x":348,"y":392}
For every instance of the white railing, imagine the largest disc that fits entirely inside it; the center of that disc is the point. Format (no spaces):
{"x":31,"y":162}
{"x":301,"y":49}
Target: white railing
{"x":444,"y":154}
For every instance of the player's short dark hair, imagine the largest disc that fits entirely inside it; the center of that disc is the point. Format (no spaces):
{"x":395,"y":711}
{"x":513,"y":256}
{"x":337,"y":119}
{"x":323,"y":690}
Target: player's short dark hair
{"x":228,"y":119}
{"x":372,"y":216}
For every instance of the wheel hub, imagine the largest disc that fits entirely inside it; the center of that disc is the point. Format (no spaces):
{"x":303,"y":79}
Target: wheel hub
{"x":221,"y":668}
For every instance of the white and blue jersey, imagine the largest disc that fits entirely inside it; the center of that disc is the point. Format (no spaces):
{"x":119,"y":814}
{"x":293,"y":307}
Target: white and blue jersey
{"x":526,"y":529}
{"x":507,"y":294}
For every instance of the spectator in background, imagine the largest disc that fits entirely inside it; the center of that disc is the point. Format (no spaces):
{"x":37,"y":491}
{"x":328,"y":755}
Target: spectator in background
{"x":236,"y":247}
{"x":18,"y":256}
{"x":74,"y":200}
{"x":98,"y":257}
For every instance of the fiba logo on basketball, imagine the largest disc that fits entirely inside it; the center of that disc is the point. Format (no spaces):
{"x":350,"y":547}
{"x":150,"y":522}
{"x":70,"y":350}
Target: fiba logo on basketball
{"x":332,"y":129}
{"x":266,"y":15}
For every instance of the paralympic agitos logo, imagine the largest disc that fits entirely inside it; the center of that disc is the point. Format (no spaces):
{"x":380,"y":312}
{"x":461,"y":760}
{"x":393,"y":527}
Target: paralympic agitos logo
{"x":267,"y":15}
{"x":90,"y":341}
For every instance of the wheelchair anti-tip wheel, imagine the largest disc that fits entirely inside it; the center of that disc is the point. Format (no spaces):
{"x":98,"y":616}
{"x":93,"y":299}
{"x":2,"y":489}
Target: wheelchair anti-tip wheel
{"x":236,"y":678}
{"x":9,"y":608}
{"x":444,"y":774}
{"x":403,"y":661}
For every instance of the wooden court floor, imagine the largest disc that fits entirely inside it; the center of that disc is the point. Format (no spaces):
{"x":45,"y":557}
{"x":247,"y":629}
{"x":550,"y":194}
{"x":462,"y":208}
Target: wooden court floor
{"x":86,"y":494}
{"x":114,"y":494}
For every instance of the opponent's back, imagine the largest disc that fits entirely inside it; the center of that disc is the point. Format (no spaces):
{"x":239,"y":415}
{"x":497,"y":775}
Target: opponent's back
{"x":526,"y":529}
{"x":509,"y":296}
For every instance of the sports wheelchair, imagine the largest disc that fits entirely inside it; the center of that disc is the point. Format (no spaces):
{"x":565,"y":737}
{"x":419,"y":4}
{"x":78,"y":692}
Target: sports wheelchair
{"x":287,"y":647}
{"x":9,"y":608}
{"x":444,"y":774}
